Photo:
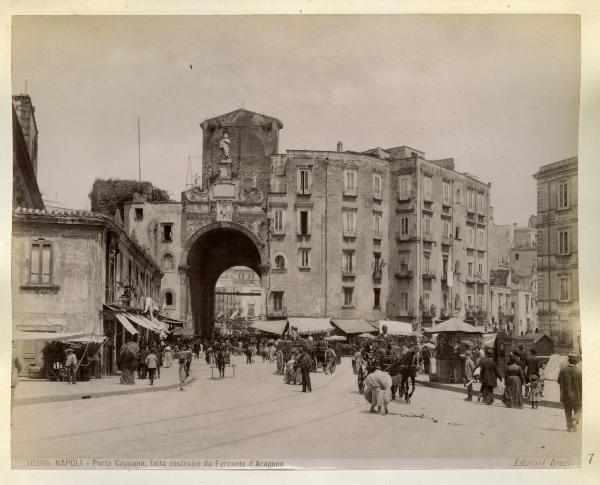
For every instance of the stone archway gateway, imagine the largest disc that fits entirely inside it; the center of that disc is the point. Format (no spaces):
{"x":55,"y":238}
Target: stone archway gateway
{"x":208,"y":253}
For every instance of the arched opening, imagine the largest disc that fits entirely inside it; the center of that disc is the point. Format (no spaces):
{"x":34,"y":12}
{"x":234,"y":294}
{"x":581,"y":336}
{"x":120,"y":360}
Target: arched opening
{"x":168,"y":298}
{"x":210,"y":252}
{"x":239,"y":298}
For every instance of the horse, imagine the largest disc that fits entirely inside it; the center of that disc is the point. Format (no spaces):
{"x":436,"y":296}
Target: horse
{"x":406,"y":368}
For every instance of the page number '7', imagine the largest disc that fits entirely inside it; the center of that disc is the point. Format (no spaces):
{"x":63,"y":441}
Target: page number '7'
{"x":591,"y":455}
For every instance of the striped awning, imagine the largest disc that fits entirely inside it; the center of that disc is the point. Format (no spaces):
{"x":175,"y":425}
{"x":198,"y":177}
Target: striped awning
{"x":143,"y":322}
{"x":126,"y":324}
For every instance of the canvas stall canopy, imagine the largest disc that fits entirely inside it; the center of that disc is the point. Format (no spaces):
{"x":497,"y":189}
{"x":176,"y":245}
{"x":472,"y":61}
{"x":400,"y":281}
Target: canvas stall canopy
{"x":63,"y":336}
{"x":453,"y":325}
{"x":277,"y":327}
{"x":396,"y":328}
{"x":353,"y":326}
{"x":310,"y":325}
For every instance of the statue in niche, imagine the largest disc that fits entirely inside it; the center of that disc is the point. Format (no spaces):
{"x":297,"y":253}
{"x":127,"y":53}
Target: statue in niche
{"x":254,"y":178}
{"x":224,"y":147}
{"x":225,"y":162}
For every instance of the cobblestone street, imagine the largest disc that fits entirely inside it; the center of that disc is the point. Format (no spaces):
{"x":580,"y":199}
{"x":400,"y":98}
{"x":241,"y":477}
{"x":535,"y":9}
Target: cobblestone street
{"x":255,"y":415}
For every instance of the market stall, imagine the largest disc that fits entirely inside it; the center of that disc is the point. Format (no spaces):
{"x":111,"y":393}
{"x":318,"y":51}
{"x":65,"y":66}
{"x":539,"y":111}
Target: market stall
{"x":454,"y":336}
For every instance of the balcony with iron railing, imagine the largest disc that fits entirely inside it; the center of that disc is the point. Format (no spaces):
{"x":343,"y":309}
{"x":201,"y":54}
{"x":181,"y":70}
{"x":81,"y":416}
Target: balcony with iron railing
{"x":400,"y":237}
{"x":446,"y":240}
{"x":278,"y":188}
{"x":405,"y":195}
{"x":429,"y":275}
{"x":348,"y":272}
{"x":277,"y":313}
{"x":428,"y":236}
{"x":404,"y":274}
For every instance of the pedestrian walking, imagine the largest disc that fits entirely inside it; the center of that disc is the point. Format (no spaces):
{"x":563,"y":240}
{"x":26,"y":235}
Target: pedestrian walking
{"x":142,"y":369}
{"x":513,"y":380}
{"x":151,"y":364}
{"x":535,"y":391}
{"x":306,"y":364}
{"x":426,"y":354}
{"x":197,"y":349}
{"x":71,"y":366}
{"x":167,"y":357}
{"x":468,"y":375}
{"x":330,"y":358}
{"x":220,"y":360}
{"x":489,"y":376}
{"x":182,"y":371}
{"x":249,"y":354}
{"x":569,"y":380}
{"x":14,"y":375}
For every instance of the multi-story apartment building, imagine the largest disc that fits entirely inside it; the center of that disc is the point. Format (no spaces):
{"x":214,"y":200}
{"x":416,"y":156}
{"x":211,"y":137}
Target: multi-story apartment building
{"x":330,"y":234}
{"x":557,"y":255}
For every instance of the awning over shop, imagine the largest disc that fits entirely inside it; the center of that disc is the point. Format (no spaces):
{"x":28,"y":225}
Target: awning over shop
{"x":311,"y":325}
{"x":23,"y":335}
{"x":353,"y":326}
{"x":98,"y":339}
{"x":170,"y":321}
{"x":143,"y":322}
{"x":130,"y":328}
{"x":396,"y":328}
{"x":276,"y":327}
{"x":453,"y":325}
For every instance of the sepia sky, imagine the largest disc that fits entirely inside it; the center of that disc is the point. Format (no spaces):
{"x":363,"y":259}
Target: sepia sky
{"x":499,"y":94}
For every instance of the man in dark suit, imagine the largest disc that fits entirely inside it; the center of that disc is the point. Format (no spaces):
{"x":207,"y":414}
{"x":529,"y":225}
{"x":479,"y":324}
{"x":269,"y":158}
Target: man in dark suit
{"x":532,"y":365}
{"x":306,"y":364}
{"x":488,"y":376}
{"x":569,"y":380}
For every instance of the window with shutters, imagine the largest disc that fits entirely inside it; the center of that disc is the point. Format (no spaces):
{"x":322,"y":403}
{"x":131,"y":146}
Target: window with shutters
{"x":563,"y":195}
{"x":427,"y":188}
{"x":403,"y":265}
{"x":304,"y":181}
{"x":348,"y":296}
{"x":168,"y":262}
{"x":303,"y":222}
{"x":349,"y":221}
{"x":426,"y":263}
{"x":563,"y":242}
{"x":404,"y":302}
{"x":427,"y":225}
{"x":377,"y":187}
{"x":277,"y":300}
{"x":304,"y":258}
{"x":564,"y":288}
{"x":404,"y":192}
{"x":481,"y":238}
{"x":470,"y":236}
{"x":376,"y":298}
{"x":350,"y":181}
{"x":446,"y":193}
{"x":377,"y":225}
{"x":348,"y":262}
{"x":278,"y":221}
{"x":404,"y":226}
{"x":167,"y":230}
{"x":41,"y":264}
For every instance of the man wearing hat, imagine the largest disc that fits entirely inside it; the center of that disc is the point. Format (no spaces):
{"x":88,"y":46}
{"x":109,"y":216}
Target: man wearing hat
{"x":488,"y":376}
{"x":71,"y":366}
{"x":569,"y":380}
{"x":468,"y":376}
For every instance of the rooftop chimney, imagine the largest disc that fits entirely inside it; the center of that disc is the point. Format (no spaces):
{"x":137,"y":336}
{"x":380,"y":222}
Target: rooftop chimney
{"x":340,"y":146}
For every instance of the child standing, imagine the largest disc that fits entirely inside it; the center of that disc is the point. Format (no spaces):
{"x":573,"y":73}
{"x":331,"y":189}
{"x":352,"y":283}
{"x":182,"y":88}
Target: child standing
{"x":535,"y":392}
{"x":542,"y":378}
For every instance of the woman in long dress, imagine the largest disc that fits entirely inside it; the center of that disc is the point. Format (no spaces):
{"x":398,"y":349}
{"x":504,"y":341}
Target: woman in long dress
{"x":513,"y":379}
{"x":182,"y":372}
{"x":168,"y":357}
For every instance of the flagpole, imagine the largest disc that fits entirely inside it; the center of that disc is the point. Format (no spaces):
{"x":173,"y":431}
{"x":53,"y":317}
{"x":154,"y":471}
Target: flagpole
{"x":139,"y":152}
